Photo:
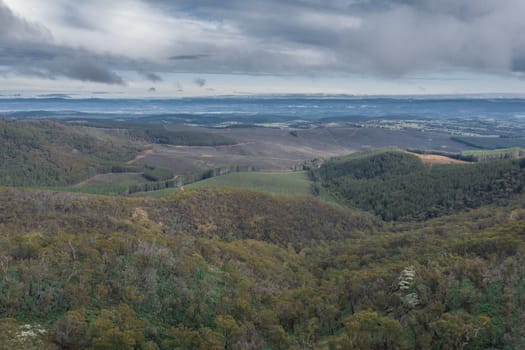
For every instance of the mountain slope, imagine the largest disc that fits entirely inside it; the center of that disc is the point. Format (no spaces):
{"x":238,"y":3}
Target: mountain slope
{"x":45,"y":153}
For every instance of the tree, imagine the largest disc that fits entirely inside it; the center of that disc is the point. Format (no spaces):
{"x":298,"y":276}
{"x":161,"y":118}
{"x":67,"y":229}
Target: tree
{"x":70,"y":330}
{"x":117,"y":329}
{"x":369,"y":330}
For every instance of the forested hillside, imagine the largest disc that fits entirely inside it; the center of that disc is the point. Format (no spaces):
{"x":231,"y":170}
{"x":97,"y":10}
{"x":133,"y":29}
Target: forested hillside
{"x":217,"y":269}
{"x":238,"y":269}
{"x":44,"y":153}
{"x":398,"y":186}
{"x":222,"y":214}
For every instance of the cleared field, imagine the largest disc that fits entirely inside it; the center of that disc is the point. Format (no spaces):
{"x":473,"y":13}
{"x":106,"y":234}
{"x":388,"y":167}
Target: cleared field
{"x":291,"y":184}
{"x":284,"y":184}
{"x":437,"y":159}
{"x":270,"y":149}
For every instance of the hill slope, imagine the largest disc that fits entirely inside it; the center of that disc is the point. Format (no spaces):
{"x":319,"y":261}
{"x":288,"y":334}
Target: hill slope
{"x":396,"y":185}
{"x":235,"y":270}
{"x":225,"y":214}
{"x":45,"y":153}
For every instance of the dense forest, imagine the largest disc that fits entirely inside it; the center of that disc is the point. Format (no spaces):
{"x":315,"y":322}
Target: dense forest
{"x":217,"y":269}
{"x":45,"y":153}
{"x":398,"y":186}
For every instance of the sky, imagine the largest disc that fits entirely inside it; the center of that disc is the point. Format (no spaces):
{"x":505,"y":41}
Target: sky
{"x":177,"y":48}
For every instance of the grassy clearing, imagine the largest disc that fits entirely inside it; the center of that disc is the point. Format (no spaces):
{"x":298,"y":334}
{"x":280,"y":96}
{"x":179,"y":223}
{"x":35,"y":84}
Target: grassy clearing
{"x":291,"y":184}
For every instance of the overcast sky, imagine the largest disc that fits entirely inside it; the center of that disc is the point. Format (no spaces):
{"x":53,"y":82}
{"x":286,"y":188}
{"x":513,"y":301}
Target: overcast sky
{"x":162,"y":48}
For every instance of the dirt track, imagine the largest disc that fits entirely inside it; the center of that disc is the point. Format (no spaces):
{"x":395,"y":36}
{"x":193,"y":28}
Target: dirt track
{"x":142,"y":155}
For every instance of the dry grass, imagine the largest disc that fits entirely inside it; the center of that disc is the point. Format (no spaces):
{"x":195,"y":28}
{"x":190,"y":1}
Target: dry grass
{"x":437,"y":159}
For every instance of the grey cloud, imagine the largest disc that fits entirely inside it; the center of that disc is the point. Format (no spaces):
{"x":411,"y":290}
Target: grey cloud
{"x":51,"y":61}
{"x":391,"y":37}
{"x":518,"y":65}
{"x":27,"y":48}
{"x":152,"y":89}
{"x":188,"y":57}
{"x":84,"y":69}
{"x":153,"y":77}
{"x":25,"y":53}
{"x":199,"y":82}
{"x":307,"y":37}
{"x":73,"y":16}
{"x":462,"y":9}
{"x":404,"y":39}
{"x":13,"y":27}
{"x":64,"y":96}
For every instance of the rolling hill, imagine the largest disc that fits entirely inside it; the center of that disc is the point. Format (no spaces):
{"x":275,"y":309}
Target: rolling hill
{"x":398,"y":186}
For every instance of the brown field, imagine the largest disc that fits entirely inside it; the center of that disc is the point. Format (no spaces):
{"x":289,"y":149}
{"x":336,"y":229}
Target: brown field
{"x":437,"y":159}
{"x":276,"y":149}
